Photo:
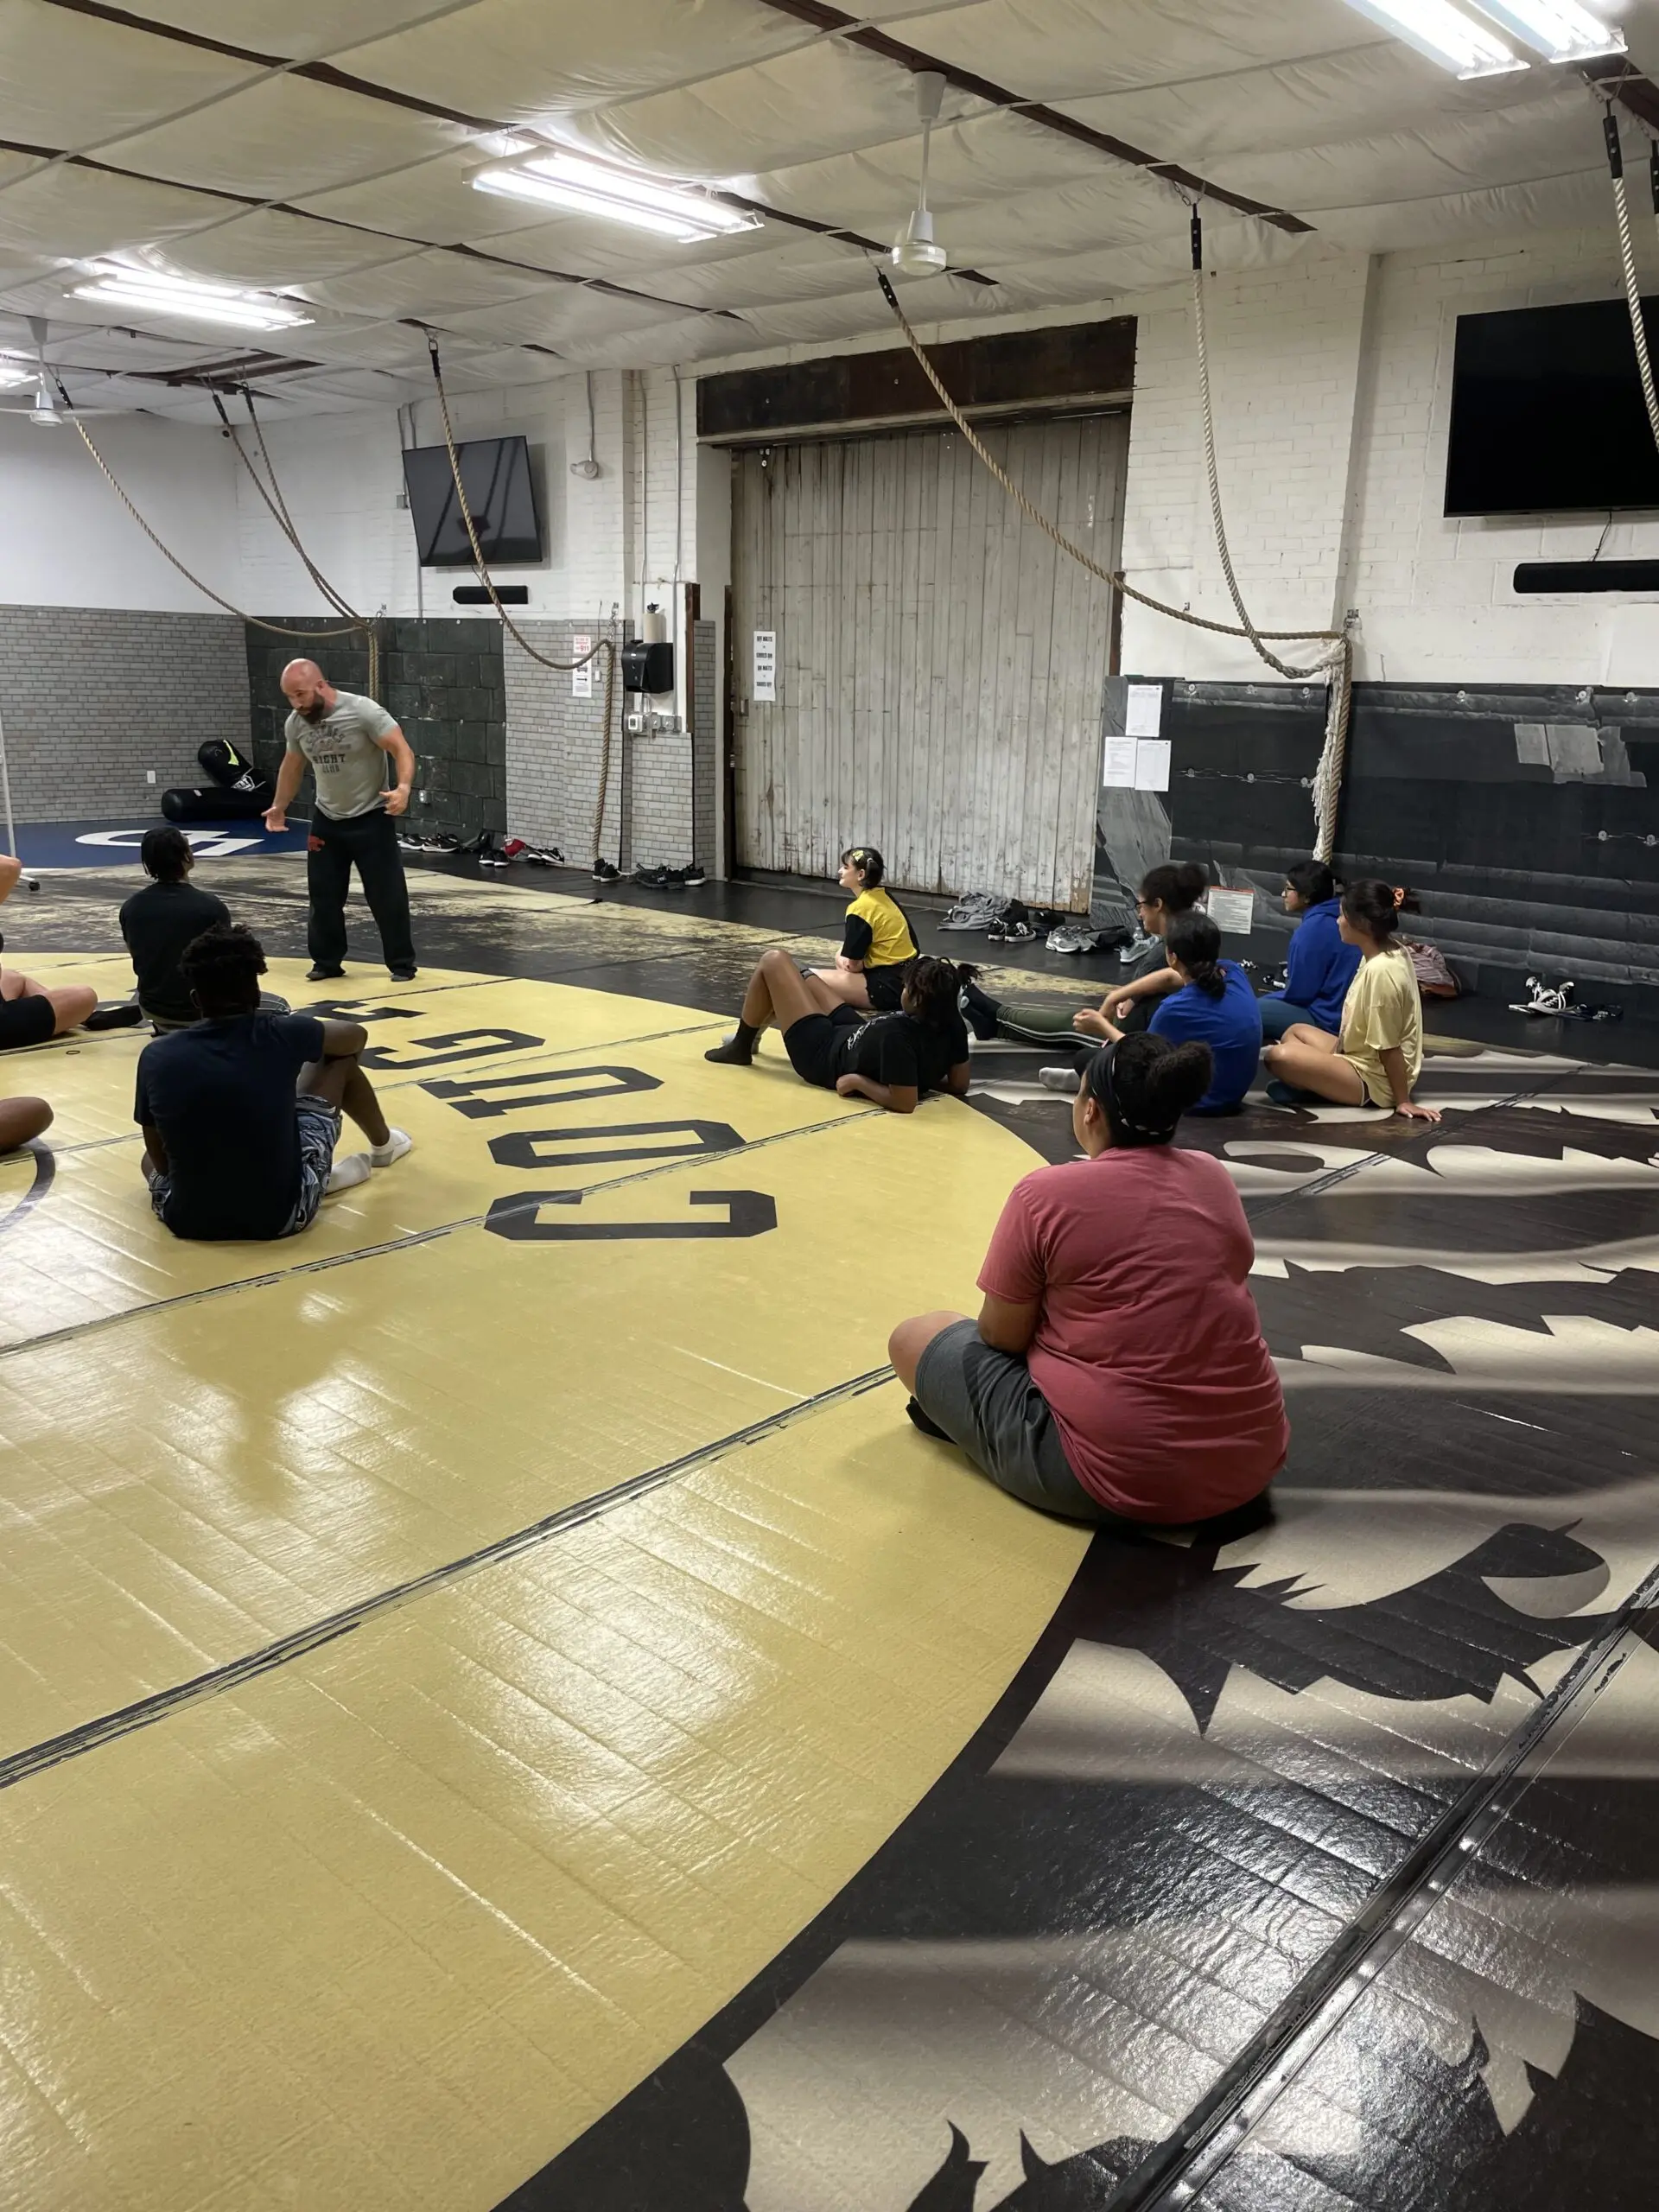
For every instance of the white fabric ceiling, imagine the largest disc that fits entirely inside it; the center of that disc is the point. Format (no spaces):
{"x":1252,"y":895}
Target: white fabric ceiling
{"x":261,"y":142}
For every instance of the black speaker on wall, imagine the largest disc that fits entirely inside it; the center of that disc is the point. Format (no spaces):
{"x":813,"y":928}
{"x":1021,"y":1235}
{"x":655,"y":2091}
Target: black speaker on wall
{"x":1587,"y":576}
{"x":476,"y":595}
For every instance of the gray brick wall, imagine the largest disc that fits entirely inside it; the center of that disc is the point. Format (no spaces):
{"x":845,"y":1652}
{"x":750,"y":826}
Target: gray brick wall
{"x":659,"y":808}
{"x":92,"y":697}
{"x":554,"y":743}
{"x":705,"y":742}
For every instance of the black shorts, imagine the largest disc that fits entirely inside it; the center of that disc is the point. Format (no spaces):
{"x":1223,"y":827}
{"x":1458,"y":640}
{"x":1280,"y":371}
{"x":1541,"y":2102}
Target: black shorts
{"x":26,"y":1021}
{"x":813,"y":1045}
{"x":885,"y":985}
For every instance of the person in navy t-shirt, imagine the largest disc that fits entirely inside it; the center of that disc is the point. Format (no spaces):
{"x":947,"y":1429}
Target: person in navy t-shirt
{"x":1321,"y":966}
{"x":1214,"y":1006}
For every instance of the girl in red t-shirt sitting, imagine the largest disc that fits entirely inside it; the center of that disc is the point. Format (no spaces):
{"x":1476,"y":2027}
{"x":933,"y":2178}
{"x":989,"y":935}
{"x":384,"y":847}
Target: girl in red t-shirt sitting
{"x":1077,"y":1390}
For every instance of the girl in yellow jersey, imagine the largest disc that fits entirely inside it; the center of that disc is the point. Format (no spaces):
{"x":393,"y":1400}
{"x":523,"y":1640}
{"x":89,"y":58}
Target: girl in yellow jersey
{"x":878,"y":945}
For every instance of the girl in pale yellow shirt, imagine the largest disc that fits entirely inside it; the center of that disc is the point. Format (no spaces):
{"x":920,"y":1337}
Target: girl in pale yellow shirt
{"x":1377,"y":1055}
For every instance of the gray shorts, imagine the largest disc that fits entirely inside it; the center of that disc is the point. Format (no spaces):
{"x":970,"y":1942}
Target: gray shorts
{"x":986,"y":1402}
{"x":318,"y":1125}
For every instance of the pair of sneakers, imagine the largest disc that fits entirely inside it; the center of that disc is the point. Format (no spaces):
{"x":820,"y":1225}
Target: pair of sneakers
{"x":358,"y":1166}
{"x":977,"y":911}
{"x":669,"y":879}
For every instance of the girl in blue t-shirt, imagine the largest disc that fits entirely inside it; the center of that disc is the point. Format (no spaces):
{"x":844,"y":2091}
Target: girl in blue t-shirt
{"x":1320,"y":965}
{"x":1214,"y":1006}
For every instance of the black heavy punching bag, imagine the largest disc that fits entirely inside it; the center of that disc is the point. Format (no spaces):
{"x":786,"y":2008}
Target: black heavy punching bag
{"x":239,"y":790}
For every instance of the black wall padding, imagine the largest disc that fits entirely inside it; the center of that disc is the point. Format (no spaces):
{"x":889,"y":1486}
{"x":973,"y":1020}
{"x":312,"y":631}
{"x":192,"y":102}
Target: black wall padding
{"x":1525,"y":820}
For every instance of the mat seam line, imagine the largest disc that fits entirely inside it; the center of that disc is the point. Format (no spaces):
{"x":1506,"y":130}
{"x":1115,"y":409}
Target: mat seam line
{"x":1295,"y":2031}
{"x":415,"y":1238}
{"x":125,"y":1721}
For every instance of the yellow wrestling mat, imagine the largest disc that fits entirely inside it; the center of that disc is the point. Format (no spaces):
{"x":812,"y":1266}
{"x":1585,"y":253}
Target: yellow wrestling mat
{"x":445,"y":1655}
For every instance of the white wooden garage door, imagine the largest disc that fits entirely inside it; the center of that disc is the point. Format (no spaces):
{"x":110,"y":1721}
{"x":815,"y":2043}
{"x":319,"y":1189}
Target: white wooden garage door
{"x":940,"y":664}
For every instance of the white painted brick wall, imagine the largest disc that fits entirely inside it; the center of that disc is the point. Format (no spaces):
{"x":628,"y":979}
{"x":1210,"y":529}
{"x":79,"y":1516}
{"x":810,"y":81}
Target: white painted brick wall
{"x":1285,"y":350}
{"x":1436,"y":596}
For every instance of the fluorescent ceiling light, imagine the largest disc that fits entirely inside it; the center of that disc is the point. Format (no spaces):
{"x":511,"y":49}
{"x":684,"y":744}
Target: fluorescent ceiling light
{"x":1436,"y":29}
{"x":561,"y":180}
{"x":118,"y":285}
{"x":1559,"y":29}
{"x":15,"y":374}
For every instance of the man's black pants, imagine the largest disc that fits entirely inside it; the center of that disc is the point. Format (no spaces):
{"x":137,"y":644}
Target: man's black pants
{"x":371,"y":840}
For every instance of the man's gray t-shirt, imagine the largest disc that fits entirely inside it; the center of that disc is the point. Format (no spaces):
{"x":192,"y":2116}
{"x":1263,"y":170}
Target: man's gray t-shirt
{"x":346,"y":759}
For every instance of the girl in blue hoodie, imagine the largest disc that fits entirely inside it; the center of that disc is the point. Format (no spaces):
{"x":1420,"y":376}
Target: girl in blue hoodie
{"x":1321,"y":966}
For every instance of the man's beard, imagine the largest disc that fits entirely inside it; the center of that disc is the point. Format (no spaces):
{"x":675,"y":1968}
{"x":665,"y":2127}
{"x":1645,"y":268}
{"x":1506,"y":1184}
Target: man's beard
{"x":315,"y":712}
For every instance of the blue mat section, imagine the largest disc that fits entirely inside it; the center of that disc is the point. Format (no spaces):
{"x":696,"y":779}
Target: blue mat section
{"x":109,"y":843}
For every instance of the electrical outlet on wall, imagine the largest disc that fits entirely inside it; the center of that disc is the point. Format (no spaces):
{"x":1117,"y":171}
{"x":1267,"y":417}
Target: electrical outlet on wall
{"x":150,"y":775}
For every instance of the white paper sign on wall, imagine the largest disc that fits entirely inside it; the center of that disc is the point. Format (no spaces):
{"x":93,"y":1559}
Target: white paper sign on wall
{"x":1233,"y":913}
{"x":765,"y":665}
{"x":582,"y":679}
{"x":1152,"y":764}
{"x":1144,"y":714}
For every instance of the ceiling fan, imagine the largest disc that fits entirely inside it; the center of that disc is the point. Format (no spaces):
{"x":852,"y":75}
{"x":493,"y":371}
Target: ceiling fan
{"x":30,"y":388}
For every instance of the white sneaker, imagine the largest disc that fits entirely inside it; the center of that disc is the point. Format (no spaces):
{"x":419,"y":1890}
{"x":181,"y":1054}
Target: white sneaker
{"x":395,"y":1147}
{"x":1065,"y":1079}
{"x":346,"y":1174}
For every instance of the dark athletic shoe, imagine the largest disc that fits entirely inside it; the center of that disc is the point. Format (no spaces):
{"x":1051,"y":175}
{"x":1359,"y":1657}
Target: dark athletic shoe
{"x":692,"y":876}
{"x":604,"y":873}
{"x":121,"y":1016}
{"x":323,"y":975}
{"x":403,"y":975}
{"x":653,"y":878}
{"x":928,"y":1427}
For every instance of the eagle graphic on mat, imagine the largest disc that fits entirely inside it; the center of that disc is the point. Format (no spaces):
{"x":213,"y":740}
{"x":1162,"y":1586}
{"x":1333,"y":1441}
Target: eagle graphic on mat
{"x":1592,"y":2131}
{"x":1450,"y":1635}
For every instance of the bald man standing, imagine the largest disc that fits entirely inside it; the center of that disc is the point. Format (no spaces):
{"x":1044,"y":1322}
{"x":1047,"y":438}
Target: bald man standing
{"x":346,"y":738}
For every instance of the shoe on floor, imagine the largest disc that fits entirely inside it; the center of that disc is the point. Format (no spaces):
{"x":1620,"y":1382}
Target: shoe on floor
{"x":398,"y":1143}
{"x":122,"y":1015}
{"x":346,"y":1174}
{"x":403,"y":975}
{"x":319,"y":975}
{"x":1065,"y":1079}
{"x":693,"y":876}
{"x":604,"y":873}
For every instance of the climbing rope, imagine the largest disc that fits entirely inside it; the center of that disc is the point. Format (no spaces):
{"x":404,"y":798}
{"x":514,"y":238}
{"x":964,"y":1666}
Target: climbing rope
{"x":279,"y":513}
{"x":1627,"y":257}
{"x":1337,"y":665}
{"x":275,"y":629}
{"x":606,"y":646}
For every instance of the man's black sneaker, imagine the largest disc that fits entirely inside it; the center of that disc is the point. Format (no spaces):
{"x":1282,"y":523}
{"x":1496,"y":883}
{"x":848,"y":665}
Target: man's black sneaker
{"x":604,"y":873}
{"x":319,"y":974}
{"x":119,"y":1016}
{"x":692,"y":876}
{"x":403,"y":975}
{"x":654,"y":878}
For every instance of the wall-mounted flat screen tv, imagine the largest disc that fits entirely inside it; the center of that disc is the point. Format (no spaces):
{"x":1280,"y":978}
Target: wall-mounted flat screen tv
{"x":1547,"y":413}
{"x":500,"y":491}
